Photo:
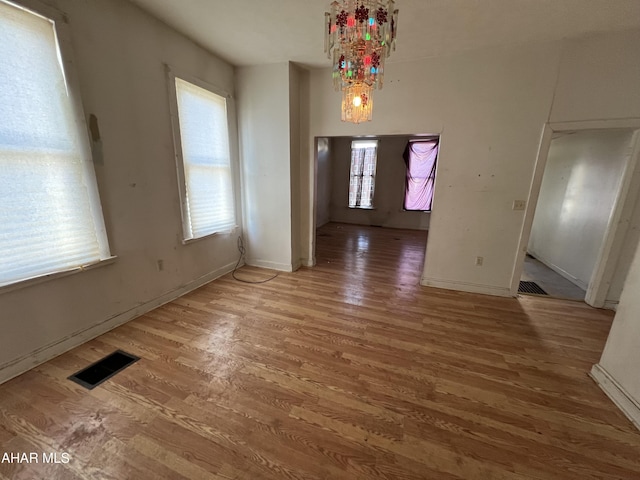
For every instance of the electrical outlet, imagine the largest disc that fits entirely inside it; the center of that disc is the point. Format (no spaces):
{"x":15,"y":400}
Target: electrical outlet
{"x":479,"y":261}
{"x":519,"y":204}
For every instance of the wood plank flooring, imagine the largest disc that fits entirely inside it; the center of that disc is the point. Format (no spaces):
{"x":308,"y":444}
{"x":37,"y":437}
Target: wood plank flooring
{"x":348,"y":370}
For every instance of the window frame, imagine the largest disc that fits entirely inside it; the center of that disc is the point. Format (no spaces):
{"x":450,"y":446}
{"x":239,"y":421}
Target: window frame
{"x":363,"y":141}
{"x":172,"y":73}
{"x":63,"y":37}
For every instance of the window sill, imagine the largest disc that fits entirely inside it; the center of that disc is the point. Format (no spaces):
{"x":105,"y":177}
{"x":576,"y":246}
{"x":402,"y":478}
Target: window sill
{"x":188,"y":241}
{"x":28,"y":282}
{"x":362,"y":208}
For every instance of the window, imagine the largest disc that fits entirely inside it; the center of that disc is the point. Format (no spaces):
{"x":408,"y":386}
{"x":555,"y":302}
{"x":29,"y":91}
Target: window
{"x":206,"y":177}
{"x":420,"y":157}
{"x":363,"y":173}
{"x":50,"y":215}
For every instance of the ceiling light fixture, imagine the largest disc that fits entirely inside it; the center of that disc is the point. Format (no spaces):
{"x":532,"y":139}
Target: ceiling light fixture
{"x":359,"y":35}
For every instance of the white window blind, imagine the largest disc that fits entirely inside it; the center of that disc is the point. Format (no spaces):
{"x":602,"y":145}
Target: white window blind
{"x":208,"y":206}
{"x":362,"y":174}
{"x":50,"y":218}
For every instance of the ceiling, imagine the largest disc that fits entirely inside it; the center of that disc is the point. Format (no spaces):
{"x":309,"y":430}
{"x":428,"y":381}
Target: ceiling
{"x":255,"y":32}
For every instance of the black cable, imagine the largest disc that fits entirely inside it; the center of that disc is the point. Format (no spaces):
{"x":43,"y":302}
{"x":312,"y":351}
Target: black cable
{"x":242,"y":251}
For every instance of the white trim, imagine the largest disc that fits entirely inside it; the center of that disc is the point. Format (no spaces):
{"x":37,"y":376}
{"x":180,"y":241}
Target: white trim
{"x":171,"y":74}
{"x":611,"y":305}
{"x":67,"y":57}
{"x":603,"y":124}
{"x":48,"y":12}
{"x":532,"y":202}
{"x":600,"y":279}
{"x":307,"y":262}
{"x":617,"y":227}
{"x":28,"y":282}
{"x":617,"y":393}
{"x":283,"y":267}
{"x":466,"y":287}
{"x":233,"y":230}
{"x":17,"y":366}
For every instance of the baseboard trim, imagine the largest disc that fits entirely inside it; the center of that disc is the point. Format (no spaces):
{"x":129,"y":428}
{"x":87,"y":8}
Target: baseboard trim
{"x":283,"y":267}
{"x":466,"y":287}
{"x":617,"y":394}
{"x":611,"y":305}
{"x":41,"y":355}
{"x":308,"y":262}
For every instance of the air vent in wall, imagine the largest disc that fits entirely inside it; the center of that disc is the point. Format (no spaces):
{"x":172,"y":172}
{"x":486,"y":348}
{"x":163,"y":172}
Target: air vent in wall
{"x":531,"y":287}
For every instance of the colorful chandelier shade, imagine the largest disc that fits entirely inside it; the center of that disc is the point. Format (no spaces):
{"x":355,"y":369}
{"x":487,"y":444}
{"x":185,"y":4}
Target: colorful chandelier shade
{"x":359,"y":36}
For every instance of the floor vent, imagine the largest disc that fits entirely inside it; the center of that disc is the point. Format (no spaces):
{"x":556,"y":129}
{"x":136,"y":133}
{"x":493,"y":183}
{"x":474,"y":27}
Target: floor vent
{"x":104,"y":369}
{"x":531,"y":287}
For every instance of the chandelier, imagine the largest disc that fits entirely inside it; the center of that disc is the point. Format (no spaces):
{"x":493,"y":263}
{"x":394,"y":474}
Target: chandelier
{"x":359,"y":35}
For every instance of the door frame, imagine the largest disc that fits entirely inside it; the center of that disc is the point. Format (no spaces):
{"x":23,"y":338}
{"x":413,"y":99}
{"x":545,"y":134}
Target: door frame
{"x":621,"y":210}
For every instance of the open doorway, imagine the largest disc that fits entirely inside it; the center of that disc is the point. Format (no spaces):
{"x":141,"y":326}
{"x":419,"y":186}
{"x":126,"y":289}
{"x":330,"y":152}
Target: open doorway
{"x":376,"y":200}
{"x":586,"y":220}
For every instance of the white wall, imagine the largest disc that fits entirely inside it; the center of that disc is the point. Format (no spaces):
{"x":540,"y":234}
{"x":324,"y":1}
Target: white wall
{"x":389,"y":192}
{"x":598,"y":78}
{"x":119,"y":56}
{"x":581,"y":181}
{"x":618,"y":369}
{"x":324,"y":182}
{"x":490,"y":107}
{"x":264,"y":120}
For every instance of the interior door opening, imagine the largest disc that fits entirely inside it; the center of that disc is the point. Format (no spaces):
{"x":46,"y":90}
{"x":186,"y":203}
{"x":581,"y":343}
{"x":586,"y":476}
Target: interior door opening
{"x":586,"y":221}
{"x":352,"y":189}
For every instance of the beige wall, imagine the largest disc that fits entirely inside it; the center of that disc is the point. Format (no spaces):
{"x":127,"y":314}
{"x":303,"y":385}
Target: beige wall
{"x":490,"y":107}
{"x":265,"y":151}
{"x":120,"y":54}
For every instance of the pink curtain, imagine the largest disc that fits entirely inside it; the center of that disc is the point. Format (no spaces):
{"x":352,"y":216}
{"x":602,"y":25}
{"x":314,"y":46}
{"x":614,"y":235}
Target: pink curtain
{"x":420,"y":157}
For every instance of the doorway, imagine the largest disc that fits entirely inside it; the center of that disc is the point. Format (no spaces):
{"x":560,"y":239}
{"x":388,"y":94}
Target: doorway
{"x":334,"y":202}
{"x":582,"y":215}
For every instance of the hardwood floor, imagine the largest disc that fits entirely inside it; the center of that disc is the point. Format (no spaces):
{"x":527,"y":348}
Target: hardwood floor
{"x":349,"y":370}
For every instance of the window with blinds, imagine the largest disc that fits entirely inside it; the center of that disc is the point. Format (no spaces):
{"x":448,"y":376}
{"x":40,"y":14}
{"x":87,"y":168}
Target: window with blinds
{"x":50,"y":215}
{"x":363,"y":173}
{"x":208,"y":199}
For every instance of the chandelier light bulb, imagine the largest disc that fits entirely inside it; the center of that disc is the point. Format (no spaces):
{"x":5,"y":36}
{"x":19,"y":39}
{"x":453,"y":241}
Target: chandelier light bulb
{"x":357,"y":101}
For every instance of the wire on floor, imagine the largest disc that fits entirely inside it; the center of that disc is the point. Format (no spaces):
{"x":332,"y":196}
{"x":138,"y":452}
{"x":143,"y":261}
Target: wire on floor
{"x":243,"y":251}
